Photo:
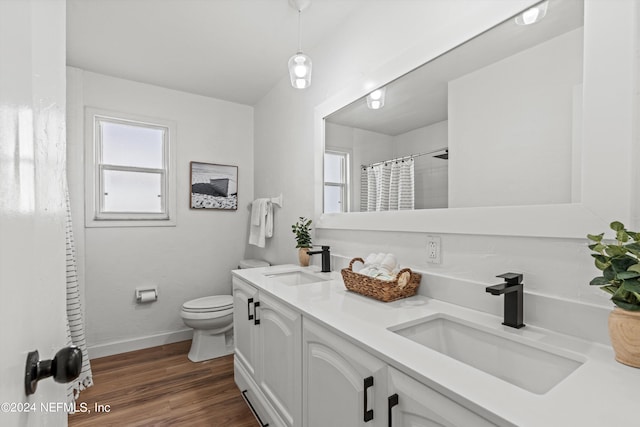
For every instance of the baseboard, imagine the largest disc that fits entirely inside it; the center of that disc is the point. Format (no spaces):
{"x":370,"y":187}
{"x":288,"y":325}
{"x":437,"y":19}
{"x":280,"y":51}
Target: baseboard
{"x":117,"y":347}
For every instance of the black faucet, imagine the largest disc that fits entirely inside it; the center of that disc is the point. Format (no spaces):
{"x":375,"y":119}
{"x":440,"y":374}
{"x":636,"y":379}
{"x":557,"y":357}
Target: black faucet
{"x":512,"y":289}
{"x":326,"y":258}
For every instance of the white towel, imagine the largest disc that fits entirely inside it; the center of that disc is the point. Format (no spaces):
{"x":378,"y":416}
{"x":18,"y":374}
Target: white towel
{"x":264,"y":227}
{"x":370,"y":259}
{"x":381,"y":266}
{"x":379,"y":258}
{"x":388,"y":264}
{"x":268,"y":227}
{"x":257,"y":207}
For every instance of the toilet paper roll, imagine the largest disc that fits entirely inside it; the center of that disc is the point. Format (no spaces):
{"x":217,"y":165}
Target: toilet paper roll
{"x":147,"y":296}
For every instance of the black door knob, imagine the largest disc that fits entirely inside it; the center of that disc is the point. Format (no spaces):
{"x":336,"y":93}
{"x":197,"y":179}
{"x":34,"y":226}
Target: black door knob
{"x":64,"y":367}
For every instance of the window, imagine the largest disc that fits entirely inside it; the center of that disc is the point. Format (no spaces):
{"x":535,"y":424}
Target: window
{"x":336,"y":181}
{"x":129,"y":171}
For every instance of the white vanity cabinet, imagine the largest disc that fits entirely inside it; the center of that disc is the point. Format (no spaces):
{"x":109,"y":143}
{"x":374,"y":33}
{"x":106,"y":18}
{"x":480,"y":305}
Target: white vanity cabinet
{"x":268,"y":354}
{"x":411,"y":403}
{"x":245,"y":333}
{"x":280,"y":361}
{"x":343,"y":385}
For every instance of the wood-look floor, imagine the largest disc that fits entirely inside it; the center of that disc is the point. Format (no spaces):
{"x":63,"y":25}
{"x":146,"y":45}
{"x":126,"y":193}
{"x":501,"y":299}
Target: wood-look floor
{"x":160,"y":386}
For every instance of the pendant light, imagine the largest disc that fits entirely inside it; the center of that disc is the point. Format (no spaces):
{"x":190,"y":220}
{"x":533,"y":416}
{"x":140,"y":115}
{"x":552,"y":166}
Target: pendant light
{"x":300,"y":64}
{"x":375,"y":100}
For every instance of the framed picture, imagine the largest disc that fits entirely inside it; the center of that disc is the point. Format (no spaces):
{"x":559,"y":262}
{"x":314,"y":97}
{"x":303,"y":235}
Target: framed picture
{"x":214,"y":186}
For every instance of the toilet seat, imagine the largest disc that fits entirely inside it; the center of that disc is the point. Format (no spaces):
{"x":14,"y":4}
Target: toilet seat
{"x":210,"y":304}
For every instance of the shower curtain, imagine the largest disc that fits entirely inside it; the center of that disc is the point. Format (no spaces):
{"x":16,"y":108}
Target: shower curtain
{"x":75,"y":320}
{"x":387,"y":186}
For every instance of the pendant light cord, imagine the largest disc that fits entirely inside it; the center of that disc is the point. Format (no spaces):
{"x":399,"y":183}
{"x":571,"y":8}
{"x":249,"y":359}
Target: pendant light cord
{"x":299,"y":31}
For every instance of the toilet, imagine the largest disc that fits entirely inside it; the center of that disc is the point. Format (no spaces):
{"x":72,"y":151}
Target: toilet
{"x":211,"y":318}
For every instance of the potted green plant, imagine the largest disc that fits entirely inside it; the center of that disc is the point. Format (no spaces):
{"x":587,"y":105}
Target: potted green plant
{"x":302,"y":230}
{"x":619,"y":262}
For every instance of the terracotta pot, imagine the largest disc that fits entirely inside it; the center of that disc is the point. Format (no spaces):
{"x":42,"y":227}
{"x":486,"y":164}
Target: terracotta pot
{"x":624,"y":331}
{"x":303,"y":256}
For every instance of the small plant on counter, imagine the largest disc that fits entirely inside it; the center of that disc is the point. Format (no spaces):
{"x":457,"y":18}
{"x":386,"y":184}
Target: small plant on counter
{"x":620,"y":266}
{"x":302,"y":230}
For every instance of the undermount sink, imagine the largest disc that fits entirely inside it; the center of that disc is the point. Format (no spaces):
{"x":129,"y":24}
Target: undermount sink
{"x":527,"y":366}
{"x":296,"y":277}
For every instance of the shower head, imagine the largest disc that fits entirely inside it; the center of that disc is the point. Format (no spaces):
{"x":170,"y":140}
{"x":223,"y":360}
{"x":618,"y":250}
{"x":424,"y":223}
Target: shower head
{"x":444,"y":156}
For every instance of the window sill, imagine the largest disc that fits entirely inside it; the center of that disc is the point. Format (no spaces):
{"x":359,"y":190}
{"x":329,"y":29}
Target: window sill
{"x":102,"y":223}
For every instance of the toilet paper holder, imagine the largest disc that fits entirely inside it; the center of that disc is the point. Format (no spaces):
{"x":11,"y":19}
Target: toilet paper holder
{"x":146,"y":294}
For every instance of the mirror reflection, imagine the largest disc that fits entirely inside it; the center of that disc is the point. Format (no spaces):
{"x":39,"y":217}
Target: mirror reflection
{"x":493,"y":122}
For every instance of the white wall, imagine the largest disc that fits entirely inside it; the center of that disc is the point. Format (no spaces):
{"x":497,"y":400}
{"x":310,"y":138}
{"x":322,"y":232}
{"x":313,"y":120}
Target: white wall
{"x":284,"y":129}
{"x":190,"y":260}
{"x":511,"y":129}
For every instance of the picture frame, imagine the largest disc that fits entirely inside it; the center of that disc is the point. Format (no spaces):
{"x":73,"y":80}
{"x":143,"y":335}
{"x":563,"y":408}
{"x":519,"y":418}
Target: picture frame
{"x":213,"y":186}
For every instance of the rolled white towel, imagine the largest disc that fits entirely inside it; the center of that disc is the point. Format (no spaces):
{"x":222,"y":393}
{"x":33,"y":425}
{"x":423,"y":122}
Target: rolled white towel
{"x":379,"y":259}
{"x":384,"y":276}
{"x":367,"y":271}
{"x":370,"y":259}
{"x":388,"y":264}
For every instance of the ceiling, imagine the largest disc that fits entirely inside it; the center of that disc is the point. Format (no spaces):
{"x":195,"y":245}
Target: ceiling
{"x":235,"y":50}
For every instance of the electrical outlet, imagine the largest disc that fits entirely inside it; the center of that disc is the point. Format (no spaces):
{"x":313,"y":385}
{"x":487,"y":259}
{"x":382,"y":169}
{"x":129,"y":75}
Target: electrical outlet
{"x":433,"y":249}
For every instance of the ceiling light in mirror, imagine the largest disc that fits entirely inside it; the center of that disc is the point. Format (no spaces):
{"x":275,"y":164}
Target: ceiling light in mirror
{"x":533,"y":15}
{"x":375,"y":100}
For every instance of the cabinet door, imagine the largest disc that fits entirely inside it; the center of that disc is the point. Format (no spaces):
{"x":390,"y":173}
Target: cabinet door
{"x":280,"y":365}
{"x":343,"y":385}
{"x":413,"y":404}
{"x":244,"y":328}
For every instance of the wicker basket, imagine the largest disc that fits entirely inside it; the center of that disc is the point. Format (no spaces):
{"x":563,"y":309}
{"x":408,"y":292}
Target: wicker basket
{"x":383,"y":290}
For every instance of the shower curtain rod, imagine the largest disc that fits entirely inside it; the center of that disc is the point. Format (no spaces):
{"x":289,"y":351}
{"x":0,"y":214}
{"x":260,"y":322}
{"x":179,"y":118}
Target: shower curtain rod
{"x":411,"y":156}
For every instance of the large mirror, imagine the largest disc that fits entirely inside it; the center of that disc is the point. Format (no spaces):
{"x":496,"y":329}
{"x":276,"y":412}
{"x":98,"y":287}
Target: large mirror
{"x":493,"y":122}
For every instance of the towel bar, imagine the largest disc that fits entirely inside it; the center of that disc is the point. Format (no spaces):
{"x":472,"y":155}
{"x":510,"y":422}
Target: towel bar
{"x":275,"y":200}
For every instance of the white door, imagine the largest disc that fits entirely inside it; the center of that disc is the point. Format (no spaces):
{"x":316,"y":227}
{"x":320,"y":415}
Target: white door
{"x":280,"y":346}
{"x":32,"y":240}
{"x":245,"y":329}
{"x":413,"y":404}
{"x":343,"y":385}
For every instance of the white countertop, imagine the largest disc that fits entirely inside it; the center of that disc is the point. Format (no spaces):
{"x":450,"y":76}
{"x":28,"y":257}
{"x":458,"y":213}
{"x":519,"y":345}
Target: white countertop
{"x":599,"y":393}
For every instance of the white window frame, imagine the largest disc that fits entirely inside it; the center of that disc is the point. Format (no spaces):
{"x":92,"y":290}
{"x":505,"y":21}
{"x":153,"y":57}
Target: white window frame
{"x":94,"y":192}
{"x":344,"y":186}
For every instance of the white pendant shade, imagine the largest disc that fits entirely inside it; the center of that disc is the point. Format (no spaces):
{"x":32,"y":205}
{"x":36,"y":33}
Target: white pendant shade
{"x":300,"y":64}
{"x":300,"y":70}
